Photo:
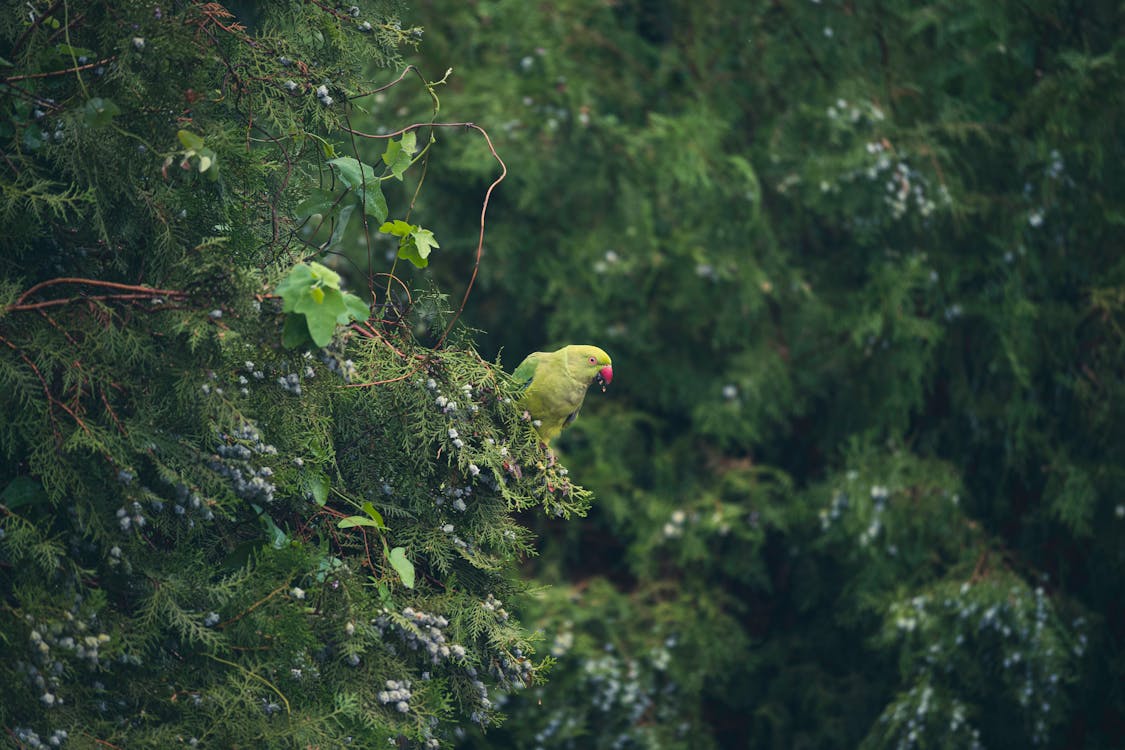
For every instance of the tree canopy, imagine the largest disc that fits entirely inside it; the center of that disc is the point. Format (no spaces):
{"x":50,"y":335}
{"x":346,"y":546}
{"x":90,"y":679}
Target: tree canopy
{"x":265,"y":482}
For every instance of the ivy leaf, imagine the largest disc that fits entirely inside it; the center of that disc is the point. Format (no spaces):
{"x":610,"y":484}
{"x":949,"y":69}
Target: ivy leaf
{"x":397,"y":228}
{"x":402,"y":566}
{"x":374,"y":202}
{"x":400,"y":153}
{"x":277,"y":537}
{"x":100,"y":112}
{"x":362,"y":179}
{"x":416,"y":247}
{"x":318,"y":486}
{"x":311,"y":295}
{"x":295,"y":331}
{"x":22,"y":491}
{"x":341,"y":225}
{"x":376,"y":516}
{"x":321,"y":316}
{"x":357,"y":309}
{"x":189,"y":140}
{"x":316,"y":202}
{"x":293,"y":286}
{"x":353,"y":521}
{"x":424,"y":241}
{"x":66,"y":50}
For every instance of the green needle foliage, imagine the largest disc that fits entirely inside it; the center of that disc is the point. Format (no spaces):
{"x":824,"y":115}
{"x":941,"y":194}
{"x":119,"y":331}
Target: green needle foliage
{"x":241,"y":503}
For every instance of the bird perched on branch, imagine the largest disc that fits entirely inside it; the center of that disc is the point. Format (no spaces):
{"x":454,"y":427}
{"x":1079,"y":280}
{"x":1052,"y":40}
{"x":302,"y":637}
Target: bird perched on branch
{"x":555,"y":385}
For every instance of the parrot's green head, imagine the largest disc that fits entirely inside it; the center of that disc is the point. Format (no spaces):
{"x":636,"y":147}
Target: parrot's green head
{"x":590,"y":363}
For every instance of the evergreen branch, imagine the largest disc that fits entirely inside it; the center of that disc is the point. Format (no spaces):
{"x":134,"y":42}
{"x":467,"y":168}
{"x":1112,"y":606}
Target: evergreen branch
{"x":256,"y":676}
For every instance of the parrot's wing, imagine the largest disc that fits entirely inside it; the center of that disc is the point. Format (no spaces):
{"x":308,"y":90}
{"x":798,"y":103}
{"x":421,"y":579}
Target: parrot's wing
{"x":572,"y":416}
{"x":525,"y":373}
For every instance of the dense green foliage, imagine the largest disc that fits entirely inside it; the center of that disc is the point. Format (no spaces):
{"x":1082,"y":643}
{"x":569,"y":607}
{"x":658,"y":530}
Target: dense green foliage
{"x":859,"y":270}
{"x":238,"y":506}
{"x":854,"y":484}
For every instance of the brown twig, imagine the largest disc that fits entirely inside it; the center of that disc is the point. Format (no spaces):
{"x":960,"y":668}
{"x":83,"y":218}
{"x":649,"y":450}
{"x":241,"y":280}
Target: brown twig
{"x":144,"y":290}
{"x":65,"y":71}
{"x":484,"y":205}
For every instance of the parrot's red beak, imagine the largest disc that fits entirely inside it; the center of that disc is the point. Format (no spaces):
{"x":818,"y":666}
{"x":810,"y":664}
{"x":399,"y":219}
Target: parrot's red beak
{"x":604,"y":377}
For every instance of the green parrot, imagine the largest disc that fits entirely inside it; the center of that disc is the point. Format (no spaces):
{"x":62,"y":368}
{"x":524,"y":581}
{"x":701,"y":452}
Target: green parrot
{"x":555,"y":384}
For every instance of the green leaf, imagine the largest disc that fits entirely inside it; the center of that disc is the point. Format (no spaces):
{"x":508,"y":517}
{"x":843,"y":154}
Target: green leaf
{"x":374,"y":202}
{"x":325,"y":275}
{"x":357,"y":309}
{"x":321,"y":316}
{"x":425,"y":242}
{"x":416,"y":247}
{"x":22,"y":491}
{"x":369,"y":509}
{"x":339,"y":230}
{"x":99,"y":112}
{"x":362,"y":179}
{"x":402,"y":566}
{"x":410,"y":142}
{"x":400,"y":153}
{"x":352,"y":521}
{"x":277,"y":537}
{"x":397,"y":228}
{"x":318,"y":485}
{"x":293,"y":286}
{"x":190,"y":141}
{"x":353,"y":173}
{"x":295,"y":332}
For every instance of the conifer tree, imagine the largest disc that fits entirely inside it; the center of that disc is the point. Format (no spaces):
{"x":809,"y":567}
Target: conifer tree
{"x":246,"y":500}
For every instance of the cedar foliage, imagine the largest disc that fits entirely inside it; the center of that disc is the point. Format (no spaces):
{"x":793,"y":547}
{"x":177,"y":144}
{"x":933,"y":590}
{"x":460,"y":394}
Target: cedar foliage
{"x":207,"y":538}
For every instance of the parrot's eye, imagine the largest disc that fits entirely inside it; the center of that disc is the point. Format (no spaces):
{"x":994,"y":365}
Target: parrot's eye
{"x":593,"y":360}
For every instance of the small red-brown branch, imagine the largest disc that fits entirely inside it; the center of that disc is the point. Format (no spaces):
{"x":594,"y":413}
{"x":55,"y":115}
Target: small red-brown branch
{"x":63,"y":72}
{"x":409,"y":69}
{"x":405,"y":288}
{"x":112,"y":413}
{"x":47,"y":392}
{"x":66,"y":334}
{"x":331,"y":11}
{"x":333,"y":532}
{"x":369,"y":331}
{"x":253,"y":606}
{"x":484,"y":205}
{"x":33,"y":26}
{"x":275,"y":221}
{"x":404,"y":376}
{"x":83,"y":298}
{"x":141,"y":290}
